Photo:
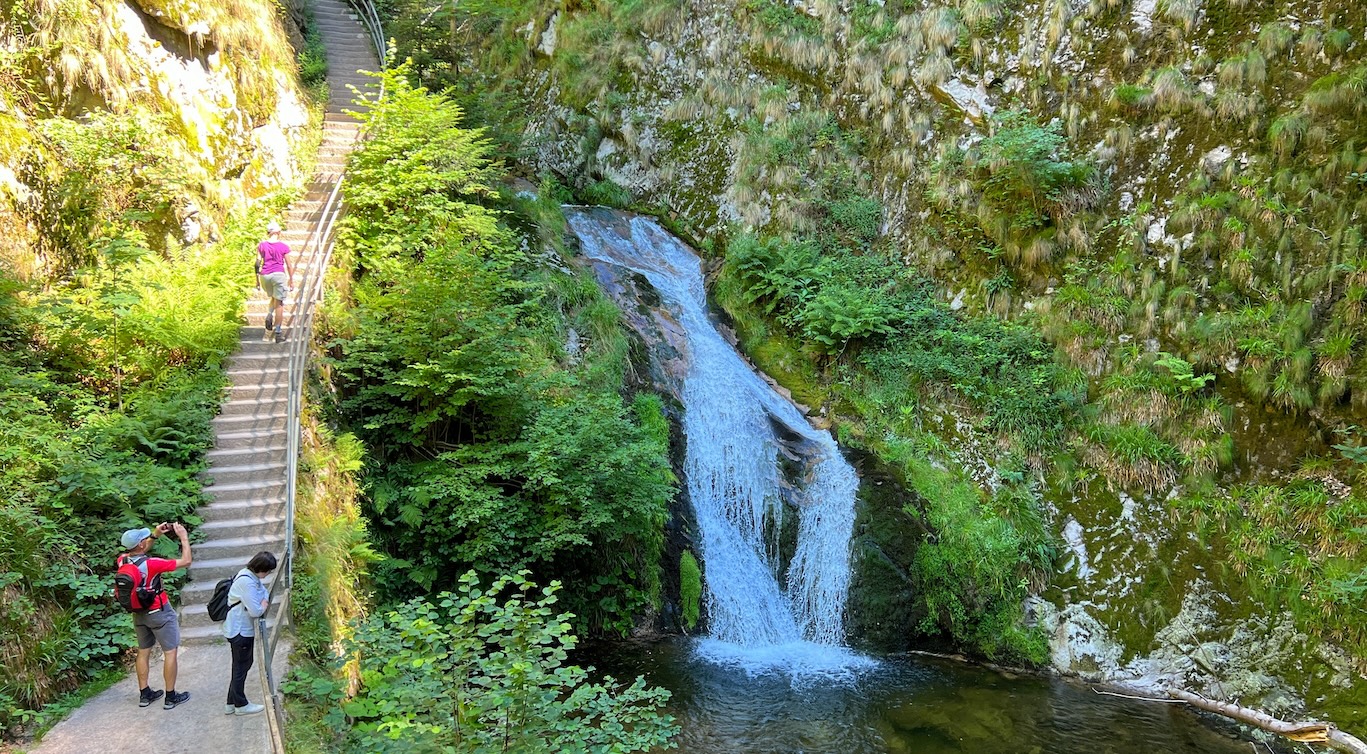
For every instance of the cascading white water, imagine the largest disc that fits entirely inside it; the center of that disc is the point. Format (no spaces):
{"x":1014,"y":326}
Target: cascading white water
{"x":734,"y":480}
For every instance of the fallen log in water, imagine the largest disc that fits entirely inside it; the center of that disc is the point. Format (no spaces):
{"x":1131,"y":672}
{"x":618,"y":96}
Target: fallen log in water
{"x":1311,"y":732}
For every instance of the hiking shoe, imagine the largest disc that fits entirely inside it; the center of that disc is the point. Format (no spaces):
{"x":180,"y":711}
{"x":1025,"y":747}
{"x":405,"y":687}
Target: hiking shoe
{"x":147,"y":696}
{"x":248,"y":709}
{"x":175,"y":699}
{"x":279,"y":336}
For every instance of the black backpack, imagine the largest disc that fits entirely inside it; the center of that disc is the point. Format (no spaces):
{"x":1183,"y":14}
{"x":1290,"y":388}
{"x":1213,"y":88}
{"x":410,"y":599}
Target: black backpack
{"x":132,"y":589}
{"x":218,"y":606}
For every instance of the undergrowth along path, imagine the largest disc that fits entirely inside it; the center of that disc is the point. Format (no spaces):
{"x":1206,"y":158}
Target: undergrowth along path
{"x":246,"y":477}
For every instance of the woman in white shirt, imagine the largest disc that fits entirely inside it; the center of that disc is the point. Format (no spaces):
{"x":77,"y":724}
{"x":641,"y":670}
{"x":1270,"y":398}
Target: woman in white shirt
{"x":248,"y":600}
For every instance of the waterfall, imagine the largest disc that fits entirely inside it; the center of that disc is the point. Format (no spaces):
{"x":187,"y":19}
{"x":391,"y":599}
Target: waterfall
{"x":760,"y":616}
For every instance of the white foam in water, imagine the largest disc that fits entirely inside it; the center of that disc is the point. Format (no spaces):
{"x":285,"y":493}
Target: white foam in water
{"x":804,"y":661}
{"x":757,"y":624}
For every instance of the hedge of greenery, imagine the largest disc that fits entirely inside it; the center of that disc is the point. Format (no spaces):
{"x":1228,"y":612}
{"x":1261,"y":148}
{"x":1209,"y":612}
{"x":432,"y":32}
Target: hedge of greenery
{"x":490,"y":445}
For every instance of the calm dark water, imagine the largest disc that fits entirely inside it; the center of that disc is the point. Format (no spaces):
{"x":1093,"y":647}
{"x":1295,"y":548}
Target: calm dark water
{"x":903,"y":706}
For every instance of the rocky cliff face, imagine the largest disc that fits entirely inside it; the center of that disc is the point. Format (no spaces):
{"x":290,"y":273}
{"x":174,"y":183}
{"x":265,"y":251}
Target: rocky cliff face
{"x":1193,"y":184}
{"x":209,"y":90}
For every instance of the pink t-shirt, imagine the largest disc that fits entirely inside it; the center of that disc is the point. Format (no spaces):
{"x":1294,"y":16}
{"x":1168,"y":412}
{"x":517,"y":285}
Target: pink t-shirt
{"x":272,"y":256}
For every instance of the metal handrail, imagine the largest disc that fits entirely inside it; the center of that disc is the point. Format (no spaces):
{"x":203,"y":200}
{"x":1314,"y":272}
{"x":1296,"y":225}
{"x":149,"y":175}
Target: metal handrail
{"x":320,"y":243}
{"x":371,"y":19}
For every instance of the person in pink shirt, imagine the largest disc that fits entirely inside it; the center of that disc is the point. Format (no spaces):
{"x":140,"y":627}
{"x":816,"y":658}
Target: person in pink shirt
{"x":277,"y":275}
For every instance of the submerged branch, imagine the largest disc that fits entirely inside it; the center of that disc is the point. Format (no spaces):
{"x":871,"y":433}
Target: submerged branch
{"x":1310,"y":732}
{"x":1302,"y":732}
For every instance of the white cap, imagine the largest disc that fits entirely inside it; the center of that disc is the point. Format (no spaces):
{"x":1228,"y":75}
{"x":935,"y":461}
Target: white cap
{"x":273,"y":227}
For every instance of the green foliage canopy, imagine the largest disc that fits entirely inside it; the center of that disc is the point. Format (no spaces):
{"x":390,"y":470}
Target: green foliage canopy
{"x":478,"y":671}
{"x":490,"y":448}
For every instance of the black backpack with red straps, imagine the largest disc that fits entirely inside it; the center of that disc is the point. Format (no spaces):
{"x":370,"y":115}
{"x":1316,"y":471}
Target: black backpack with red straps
{"x":132,"y":589}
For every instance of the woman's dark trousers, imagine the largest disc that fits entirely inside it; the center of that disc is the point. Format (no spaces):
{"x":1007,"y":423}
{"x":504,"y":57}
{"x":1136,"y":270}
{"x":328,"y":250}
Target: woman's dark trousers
{"x":242,"y":662}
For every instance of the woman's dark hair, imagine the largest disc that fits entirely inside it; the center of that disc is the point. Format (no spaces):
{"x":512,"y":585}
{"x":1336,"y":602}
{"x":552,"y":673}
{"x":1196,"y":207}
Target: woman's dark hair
{"x":262,"y":562}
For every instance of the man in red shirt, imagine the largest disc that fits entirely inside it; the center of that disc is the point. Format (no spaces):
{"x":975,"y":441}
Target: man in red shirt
{"x":159,"y":624}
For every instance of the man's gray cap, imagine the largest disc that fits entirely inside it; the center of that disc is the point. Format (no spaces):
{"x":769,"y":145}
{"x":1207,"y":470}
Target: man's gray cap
{"x":132,"y":537}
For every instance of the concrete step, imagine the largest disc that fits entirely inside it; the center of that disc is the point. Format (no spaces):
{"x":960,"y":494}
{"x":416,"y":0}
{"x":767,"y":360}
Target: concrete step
{"x":252,"y":407}
{"x":337,"y":136}
{"x":253,"y":352}
{"x":232,"y":427}
{"x":251,"y":441}
{"x":236,"y":492}
{"x":211,"y":568}
{"x":265,"y":393}
{"x":244,"y":527}
{"x":276,"y":374}
{"x":269,"y":372}
{"x":259,"y":347}
{"x":235,"y":510}
{"x":248,"y":472}
{"x":261,"y":452}
{"x":273,"y":360}
{"x":199,"y":591}
{"x":240,"y":549}
{"x":254,"y":332}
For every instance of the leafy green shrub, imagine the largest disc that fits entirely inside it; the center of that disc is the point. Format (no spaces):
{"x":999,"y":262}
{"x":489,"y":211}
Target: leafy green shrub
{"x":606,"y":192}
{"x":781,"y":17}
{"x":488,"y":448}
{"x":1023,"y":162}
{"x":777,"y":275}
{"x":856,"y":217}
{"x":976,"y":572}
{"x":1182,"y":375}
{"x":690,"y":588}
{"x":312,"y":60}
{"x":1131,"y":95}
{"x":498,"y":658}
{"x":838,"y":314}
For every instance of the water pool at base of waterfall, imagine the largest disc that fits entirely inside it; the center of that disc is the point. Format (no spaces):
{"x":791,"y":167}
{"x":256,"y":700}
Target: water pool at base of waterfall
{"x":900,"y":705}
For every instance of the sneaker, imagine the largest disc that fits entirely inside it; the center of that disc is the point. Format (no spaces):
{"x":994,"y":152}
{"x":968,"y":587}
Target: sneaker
{"x":175,"y":699}
{"x":279,"y":336}
{"x":266,"y":335}
{"x":249,"y":709}
{"x":147,"y":696}
{"x":229,"y":709}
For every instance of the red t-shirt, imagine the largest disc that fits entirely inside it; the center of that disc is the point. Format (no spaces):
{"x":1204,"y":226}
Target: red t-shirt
{"x":156,"y":567}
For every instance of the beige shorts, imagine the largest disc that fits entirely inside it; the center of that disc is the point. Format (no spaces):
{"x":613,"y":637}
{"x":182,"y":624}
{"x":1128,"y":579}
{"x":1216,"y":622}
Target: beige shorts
{"x":276,"y":285}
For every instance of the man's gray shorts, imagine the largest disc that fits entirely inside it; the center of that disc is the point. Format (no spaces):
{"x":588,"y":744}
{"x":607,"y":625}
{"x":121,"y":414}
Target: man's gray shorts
{"x":161,"y":627}
{"x":276,"y":284}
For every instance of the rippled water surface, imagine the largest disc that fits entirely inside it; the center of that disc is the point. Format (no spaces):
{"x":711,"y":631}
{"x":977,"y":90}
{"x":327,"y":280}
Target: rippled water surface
{"x":903,"y":706}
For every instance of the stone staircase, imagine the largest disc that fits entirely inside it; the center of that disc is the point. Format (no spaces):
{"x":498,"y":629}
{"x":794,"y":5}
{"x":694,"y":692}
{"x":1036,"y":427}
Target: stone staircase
{"x":247,"y":467}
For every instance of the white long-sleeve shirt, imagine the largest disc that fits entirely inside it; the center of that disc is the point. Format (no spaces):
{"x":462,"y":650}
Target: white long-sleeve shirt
{"x":245,"y":596}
